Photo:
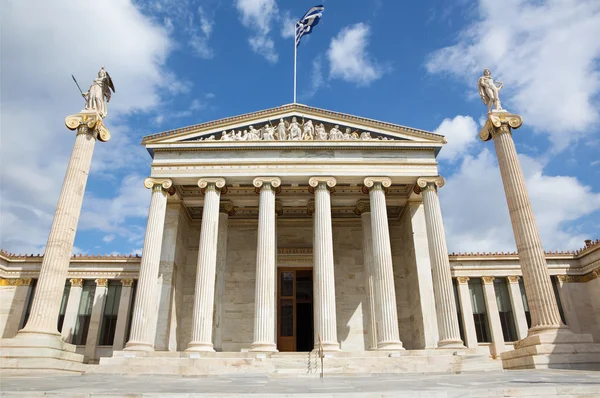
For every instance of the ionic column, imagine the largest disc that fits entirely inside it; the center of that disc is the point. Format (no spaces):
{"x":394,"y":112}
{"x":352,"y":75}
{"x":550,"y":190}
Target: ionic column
{"x":123,"y":314}
{"x":440,"y":265}
{"x":323,"y":272}
{"x":70,"y":320}
{"x":538,"y":286}
{"x":264,"y":313}
{"x":204,"y":296}
{"x":226,"y":209}
{"x":91,"y":342}
{"x":364,"y":211}
{"x":43,"y":316}
{"x":10,"y":323}
{"x":388,"y":336}
{"x":493,"y":314}
{"x":466,"y":310}
{"x":517,"y":306}
{"x":141,"y":337}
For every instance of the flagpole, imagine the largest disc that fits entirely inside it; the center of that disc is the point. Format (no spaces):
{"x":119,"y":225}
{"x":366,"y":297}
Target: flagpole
{"x":295,"y":55}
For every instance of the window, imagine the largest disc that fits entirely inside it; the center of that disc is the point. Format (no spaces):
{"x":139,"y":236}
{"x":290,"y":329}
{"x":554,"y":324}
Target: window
{"x":111,"y":310}
{"x":84,"y":312}
{"x":479,"y":311}
{"x":525,"y":303}
{"x":29,"y":301}
{"x":63,"y":305}
{"x":558,"y":302}
{"x":460,"y":324}
{"x":507,"y":319}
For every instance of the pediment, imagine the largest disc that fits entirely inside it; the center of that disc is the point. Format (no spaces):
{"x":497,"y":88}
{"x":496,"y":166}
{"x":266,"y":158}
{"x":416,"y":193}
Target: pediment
{"x":268,"y":125}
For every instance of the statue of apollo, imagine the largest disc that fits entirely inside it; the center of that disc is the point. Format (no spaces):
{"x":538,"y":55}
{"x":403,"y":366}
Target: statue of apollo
{"x":490,"y":90}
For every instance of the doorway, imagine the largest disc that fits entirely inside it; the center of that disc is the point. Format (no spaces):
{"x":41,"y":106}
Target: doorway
{"x":295,"y":310}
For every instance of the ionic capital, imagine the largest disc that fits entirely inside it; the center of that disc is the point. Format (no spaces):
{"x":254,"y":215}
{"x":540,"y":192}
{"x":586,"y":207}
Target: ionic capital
{"x":487,"y":279}
{"x":499,"y":122}
{"x":102,"y":282}
{"x":462,"y":280}
{"x":274,"y":182}
{"x":424,"y":183}
{"x":226,"y":207}
{"x":127,"y":282}
{"x":513,"y":279}
{"x":212,"y":183}
{"x":15,"y":282}
{"x":362,"y":206}
{"x":314,"y":182}
{"x":370,"y":182}
{"x":158,"y":183}
{"x":88,"y":122}
{"x":77,"y":282}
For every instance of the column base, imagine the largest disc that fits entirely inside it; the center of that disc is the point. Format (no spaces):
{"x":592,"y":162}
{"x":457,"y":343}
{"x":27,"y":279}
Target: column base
{"x":29,"y":351}
{"x":200,"y":347}
{"x":451,"y":343}
{"x":390,"y":346}
{"x":263,"y":347}
{"x":138,"y":346}
{"x":328,"y":347}
{"x":554,"y":349}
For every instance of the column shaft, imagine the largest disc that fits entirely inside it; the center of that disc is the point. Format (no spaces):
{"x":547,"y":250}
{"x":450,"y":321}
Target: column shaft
{"x":491,"y":305}
{"x":447,"y":317}
{"x":123,"y":314}
{"x":43,"y":316}
{"x":369,"y":284}
{"x":387,"y":315}
{"x":466,"y":309}
{"x":264,"y":313}
{"x":220,"y":278}
{"x":517,"y":306}
{"x":536,"y":278}
{"x":91,"y":342}
{"x":323,"y":272}
{"x":70,"y":320}
{"x":141,"y":337}
{"x":204,"y":297}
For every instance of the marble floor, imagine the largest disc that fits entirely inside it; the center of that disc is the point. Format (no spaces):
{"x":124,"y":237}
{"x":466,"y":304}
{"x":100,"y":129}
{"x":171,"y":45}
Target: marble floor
{"x":527,"y":383}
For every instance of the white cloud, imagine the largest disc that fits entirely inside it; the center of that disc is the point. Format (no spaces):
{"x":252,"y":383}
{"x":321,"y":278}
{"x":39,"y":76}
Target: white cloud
{"x":259,"y":16}
{"x":288,"y":25}
{"x":349,"y":59}
{"x":316,"y":79}
{"x":108,"y":238}
{"x":546,"y":53}
{"x":37,"y":96}
{"x":199,"y":40}
{"x":476,"y":215}
{"x":461,"y":133}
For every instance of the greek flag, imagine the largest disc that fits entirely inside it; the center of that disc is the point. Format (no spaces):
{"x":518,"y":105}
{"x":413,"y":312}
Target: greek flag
{"x":305,"y":25}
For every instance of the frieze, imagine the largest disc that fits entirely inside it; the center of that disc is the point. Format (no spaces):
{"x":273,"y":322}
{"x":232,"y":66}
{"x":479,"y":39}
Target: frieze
{"x":15,"y":281}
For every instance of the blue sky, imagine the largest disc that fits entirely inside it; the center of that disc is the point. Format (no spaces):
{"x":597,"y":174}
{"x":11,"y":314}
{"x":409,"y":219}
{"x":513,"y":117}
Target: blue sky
{"x":176,"y":63}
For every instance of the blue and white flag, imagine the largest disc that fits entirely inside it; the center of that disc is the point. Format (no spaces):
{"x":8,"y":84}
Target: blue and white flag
{"x":306,"y":24}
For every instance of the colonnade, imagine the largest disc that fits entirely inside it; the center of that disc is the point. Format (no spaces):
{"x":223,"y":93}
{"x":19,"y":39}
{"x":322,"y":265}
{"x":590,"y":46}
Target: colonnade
{"x":378,"y":263}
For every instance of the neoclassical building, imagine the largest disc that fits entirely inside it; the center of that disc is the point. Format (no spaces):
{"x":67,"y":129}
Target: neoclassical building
{"x":289,"y":230}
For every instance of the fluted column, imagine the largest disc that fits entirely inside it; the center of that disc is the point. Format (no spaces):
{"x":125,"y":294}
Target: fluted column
{"x":123,"y":314}
{"x":516,"y":300}
{"x":204,"y":296}
{"x":43,"y":316}
{"x":70,"y":320}
{"x":440,"y":265}
{"x":364,"y":211}
{"x":536,"y":278}
{"x":141,"y":337}
{"x":264,"y":313}
{"x":323,"y":273}
{"x":466,"y":310}
{"x":388,"y":335}
{"x":491,"y":305}
{"x":93,"y":335}
{"x":226,"y":209}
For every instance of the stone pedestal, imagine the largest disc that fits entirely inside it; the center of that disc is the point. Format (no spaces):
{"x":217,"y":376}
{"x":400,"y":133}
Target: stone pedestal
{"x":39,"y":343}
{"x":204,"y":297}
{"x":323,"y":271}
{"x":549,"y":342}
{"x":142,"y":335}
{"x":440,"y":265}
{"x":264,"y":312}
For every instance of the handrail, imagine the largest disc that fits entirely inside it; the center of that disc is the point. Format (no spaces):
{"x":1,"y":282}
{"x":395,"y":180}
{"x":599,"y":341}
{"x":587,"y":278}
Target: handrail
{"x":320,"y":352}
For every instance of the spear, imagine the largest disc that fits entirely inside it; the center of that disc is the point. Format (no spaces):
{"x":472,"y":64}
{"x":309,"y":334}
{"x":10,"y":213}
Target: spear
{"x":75,"y":80}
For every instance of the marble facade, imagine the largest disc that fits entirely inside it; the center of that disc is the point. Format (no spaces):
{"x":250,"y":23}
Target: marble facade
{"x":228,"y":216}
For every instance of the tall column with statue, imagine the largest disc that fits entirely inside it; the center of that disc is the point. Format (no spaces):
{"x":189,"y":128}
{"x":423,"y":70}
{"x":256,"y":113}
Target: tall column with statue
{"x":40,"y":337}
{"x":546,"y":326}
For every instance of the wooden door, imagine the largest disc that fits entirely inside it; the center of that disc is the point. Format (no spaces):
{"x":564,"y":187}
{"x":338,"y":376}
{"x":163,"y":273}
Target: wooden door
{"x":291,"y":293}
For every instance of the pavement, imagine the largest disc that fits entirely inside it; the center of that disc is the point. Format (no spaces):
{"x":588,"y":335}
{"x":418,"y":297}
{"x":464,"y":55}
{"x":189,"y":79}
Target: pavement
{"x":522,"y":383}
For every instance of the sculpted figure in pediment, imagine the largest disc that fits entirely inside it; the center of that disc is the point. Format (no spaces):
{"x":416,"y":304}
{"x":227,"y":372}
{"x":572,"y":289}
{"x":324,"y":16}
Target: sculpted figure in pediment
{"x":282,"y":131}
{"x":308,"y":133}
{"x":335,"y":134}
{"x":295,"y":132}
{"x":225,"y":136}
{"x":253,"y":134}
{"x":365,"y":135}
{"x":268,"y":133}
{"x":321,"y":133}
